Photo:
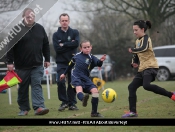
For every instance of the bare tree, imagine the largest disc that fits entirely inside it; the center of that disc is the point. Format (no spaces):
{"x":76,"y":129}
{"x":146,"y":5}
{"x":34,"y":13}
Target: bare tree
{"x":11,"y":5}
{"x":8,"y":6}
{"x":167,"y":32}
{"x":157,"y":11}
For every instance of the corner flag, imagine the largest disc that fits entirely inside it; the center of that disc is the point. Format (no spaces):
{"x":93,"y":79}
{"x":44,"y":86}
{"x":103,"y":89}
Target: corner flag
{"x":9,"y":80}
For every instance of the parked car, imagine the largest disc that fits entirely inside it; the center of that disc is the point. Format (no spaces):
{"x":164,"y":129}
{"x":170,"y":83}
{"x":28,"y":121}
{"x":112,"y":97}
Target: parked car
{"x":3,"y":68}
{"x":165,"y":56}
{"x":51,"y":71}
{"x":107,"y":71}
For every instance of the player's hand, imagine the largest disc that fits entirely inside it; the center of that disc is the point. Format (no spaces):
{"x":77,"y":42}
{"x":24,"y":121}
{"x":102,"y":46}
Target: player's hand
{"x":10,"y":67}
{"x":103,"y":57}
{"x":46,"y":64}
{"x":135,"y":65}
{"x":62,"y":76}
{"x":130,"y":51}
{"x":61,"y":44}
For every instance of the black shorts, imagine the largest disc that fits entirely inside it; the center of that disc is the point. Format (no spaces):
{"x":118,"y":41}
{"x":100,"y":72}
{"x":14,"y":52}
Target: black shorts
{"x":150,"y":71}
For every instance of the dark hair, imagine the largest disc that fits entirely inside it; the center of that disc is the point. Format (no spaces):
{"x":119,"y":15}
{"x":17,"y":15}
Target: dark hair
{"x":84,"y":41}
{"x":143,"y":24}
{"x":63,"y":14}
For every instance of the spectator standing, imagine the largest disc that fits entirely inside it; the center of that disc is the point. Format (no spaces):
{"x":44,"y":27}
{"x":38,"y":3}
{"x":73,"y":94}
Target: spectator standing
{"x":27,"y":58}
{"x":65,"y":42}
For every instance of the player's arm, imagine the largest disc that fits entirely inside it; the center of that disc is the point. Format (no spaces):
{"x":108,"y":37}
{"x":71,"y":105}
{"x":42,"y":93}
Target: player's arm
{"x":71,"y":64}
{"x":56,"y":44}
{"x":144,"y":46}
{"x":98,"y":62}
{"x":135,"y":61}
{"x":74,"y":43}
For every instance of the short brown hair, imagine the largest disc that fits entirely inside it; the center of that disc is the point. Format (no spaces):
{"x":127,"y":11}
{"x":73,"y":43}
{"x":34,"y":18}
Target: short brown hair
{"x":64,"y":14}
{"x":26,"y":9}
{"x":84,"y":41}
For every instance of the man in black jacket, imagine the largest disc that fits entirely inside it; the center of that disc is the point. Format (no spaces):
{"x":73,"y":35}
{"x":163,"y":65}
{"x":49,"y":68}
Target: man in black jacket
{"x":65,"y":42}
{"x":27,"y":58}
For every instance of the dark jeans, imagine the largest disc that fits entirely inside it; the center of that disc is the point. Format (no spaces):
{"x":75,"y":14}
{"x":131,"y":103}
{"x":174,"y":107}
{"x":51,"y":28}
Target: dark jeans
{"x":67,"y":96}
{"x":144,"y":79}
{"x":31,"y":77}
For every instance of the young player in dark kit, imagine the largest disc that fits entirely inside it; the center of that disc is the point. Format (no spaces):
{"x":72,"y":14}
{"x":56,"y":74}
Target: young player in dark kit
{"x":143,"y":59}
{"x":81,"y":65}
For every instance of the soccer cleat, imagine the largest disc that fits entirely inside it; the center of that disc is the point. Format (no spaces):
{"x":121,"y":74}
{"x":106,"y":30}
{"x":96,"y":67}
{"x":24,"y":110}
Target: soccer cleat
{"x":96,"y":115}
{"x":63,"y":107}
{"x":173,"y":96}
{"x":73,"y":107}
{"x":41,"y":111}
{"x":129,"y":114}
{"x":23,"y":113}
{"x":85,"y":100}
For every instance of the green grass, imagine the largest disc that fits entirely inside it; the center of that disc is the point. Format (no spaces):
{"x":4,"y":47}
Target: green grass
{"x":149,"y":105}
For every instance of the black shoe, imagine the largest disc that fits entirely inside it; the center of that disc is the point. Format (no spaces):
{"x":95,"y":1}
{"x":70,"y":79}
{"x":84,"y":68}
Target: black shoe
{"x":73,"y":107}
{"x":63,"y":107}
{"x":96,"y":115}
{"x":85,"y":100}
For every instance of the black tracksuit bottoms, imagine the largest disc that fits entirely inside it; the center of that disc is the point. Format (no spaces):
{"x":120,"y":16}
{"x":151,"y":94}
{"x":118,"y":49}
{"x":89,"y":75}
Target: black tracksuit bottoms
{"x":144,"y":79}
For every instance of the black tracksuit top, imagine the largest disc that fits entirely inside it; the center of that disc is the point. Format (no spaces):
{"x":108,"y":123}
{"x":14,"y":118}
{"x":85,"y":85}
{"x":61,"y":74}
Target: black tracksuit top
{"x":28,"y":52}
{"x":70,"y":40}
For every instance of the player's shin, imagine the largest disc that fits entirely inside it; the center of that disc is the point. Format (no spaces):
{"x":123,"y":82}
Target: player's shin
{"x":94,"y":102}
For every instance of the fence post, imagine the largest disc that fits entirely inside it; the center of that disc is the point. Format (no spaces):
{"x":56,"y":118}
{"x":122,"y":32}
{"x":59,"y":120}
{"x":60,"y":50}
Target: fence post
{"x":50,"y":73}
{"x":48,"y":87}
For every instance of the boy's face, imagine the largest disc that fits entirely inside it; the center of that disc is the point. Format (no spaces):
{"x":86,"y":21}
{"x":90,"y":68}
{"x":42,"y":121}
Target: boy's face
{"x":86,"y":48}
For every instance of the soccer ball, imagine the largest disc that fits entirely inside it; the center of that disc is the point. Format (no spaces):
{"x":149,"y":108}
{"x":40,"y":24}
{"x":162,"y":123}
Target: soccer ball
{"x":109,"y":95}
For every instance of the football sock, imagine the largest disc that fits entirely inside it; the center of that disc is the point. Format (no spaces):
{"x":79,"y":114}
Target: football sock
{"x":94,"y":102}
{"x":80,"y":96}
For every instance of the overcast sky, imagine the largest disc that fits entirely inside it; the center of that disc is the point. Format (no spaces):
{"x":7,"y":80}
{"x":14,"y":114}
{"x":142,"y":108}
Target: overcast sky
{"x":60,"y":7}
{"x":50,"y":17}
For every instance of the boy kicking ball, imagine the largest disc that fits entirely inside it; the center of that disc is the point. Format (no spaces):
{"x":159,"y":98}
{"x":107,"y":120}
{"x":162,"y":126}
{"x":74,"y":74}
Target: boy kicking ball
{"x":81,"y":64}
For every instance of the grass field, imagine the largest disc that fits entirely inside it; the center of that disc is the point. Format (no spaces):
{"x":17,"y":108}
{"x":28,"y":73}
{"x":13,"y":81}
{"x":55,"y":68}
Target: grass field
{"x":149,"y":105}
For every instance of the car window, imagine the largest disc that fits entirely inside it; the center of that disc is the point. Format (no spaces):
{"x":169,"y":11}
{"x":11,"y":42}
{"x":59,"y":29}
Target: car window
{"x":2,"y":62}
{"x":167,"y":52}
{"x":108,"y":60}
